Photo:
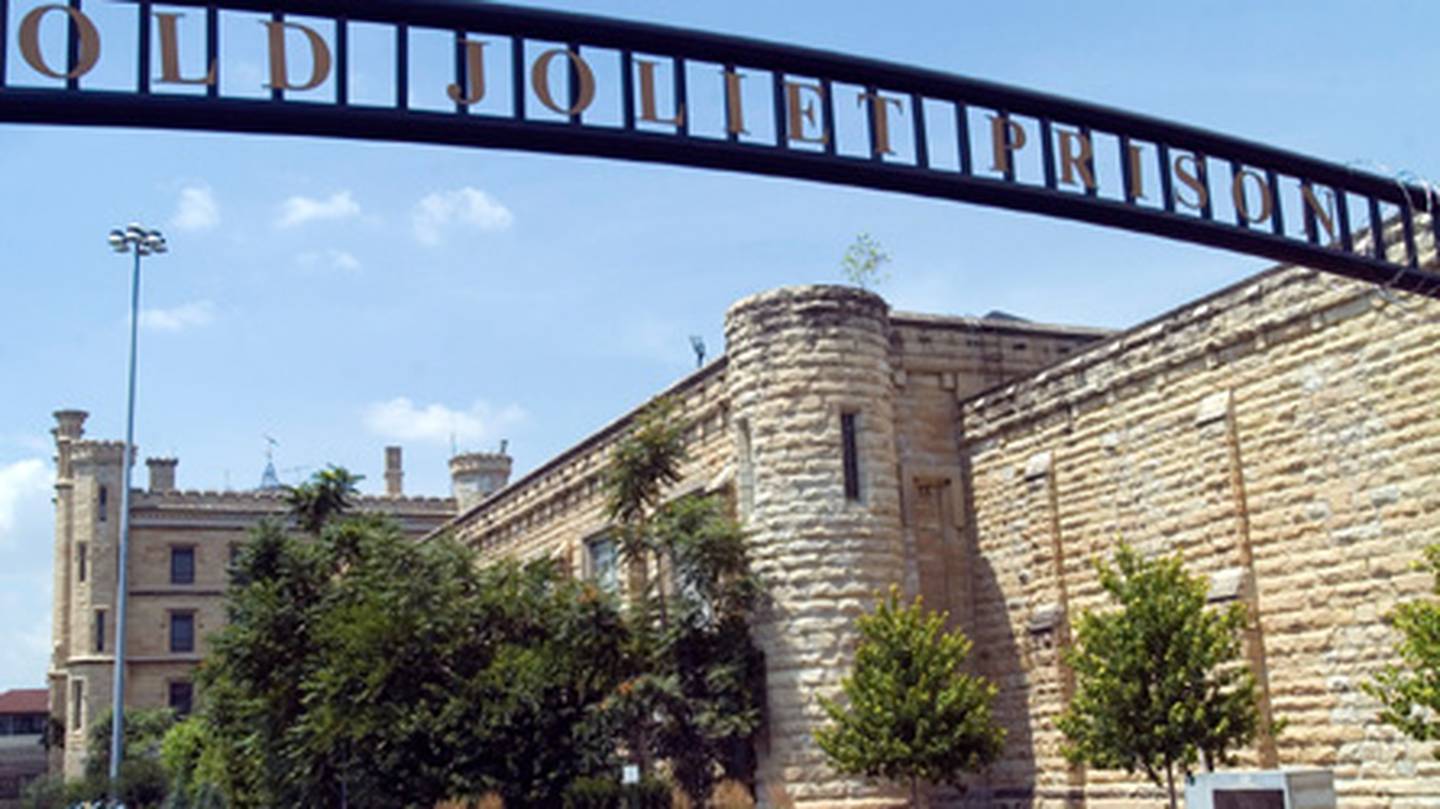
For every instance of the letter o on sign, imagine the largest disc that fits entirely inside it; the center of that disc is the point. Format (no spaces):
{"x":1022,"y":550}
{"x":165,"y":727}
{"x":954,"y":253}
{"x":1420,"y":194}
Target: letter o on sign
{"x":30,"y":42}
{"x":540,"y":79}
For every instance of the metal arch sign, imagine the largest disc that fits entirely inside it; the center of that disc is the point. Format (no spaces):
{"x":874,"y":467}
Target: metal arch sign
{"x":910,"y":130}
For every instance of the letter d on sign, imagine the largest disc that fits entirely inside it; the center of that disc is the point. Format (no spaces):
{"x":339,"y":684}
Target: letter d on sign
{"x":319,"y":51}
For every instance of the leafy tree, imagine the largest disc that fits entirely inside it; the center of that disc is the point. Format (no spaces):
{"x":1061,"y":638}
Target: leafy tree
{"x":864,"y":262}
{"x":141,"y":783}
{"x":538,"y":709}
{"x":1158,"y":685}
{"x":912,"y":713}
{"x":644,"y":462}
{"x":187,"y":753}
{"x":1409,"y":692}
{"x":144,"y":728}
{"x":360,"y":668}
{"x":696,"y":694}
{"x":328,"y":494}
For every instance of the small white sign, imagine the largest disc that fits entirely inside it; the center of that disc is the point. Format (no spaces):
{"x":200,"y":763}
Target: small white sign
{"x":631,"y":774}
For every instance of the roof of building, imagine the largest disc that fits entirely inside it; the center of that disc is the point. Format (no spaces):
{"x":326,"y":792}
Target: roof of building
{"x":25,"y":700}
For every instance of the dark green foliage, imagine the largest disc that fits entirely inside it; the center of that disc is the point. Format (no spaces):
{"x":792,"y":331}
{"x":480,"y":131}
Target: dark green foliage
{"x":645,"y":462}
{"x":45,"y":792}
{"x":189,"y":754}
{"x":144,"y":729}
{"x":606,"y":793}
{"x":593,"y":793}
{"x":1409,"y":692}
{"x":910,"y":712}
{"x":650,"y":793}
{"x":362,"y":667}
{"x":1159,"y":687}
{"x":536,"y":703}
{"x":697,"y":692}
{"x":328,"y":494}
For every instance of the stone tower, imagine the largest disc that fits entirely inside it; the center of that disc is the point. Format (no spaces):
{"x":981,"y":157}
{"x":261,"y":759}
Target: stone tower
{"x":812,"y":395}
{"x":87,"y":538}
{"x":475,"y":476}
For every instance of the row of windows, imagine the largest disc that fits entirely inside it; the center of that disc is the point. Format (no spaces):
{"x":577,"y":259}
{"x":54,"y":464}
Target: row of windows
{"x":182,"y":562}
{"x":22,"y":724}
{"x":182,"y":632}
{"x":180,"y":696}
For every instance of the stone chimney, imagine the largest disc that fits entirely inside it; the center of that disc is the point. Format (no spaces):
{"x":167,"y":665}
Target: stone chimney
{"x":475,"y":476}
{"x":162,"y":474}
{"x":394,"y":473}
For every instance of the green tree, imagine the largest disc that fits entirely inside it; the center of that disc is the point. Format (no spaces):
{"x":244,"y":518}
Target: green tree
{"x":362,"y":669}
{"x":695,"y":698}
{"x":328,"y":494}
{"x":910,"y":712}
{"x":864,"y":262}
{"x":1158,"y":684}
{"x":187,"y":753}
{"x":141,"y":783}
{"x":538,"y":709}
{"x":1409,"y":692}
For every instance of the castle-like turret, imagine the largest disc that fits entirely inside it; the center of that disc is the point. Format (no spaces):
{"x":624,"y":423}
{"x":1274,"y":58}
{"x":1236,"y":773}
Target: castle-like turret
{"x":475,"y":476}
{"x":812,"y":394}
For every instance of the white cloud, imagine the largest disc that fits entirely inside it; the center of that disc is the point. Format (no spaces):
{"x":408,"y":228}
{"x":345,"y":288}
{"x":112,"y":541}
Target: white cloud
{"x":299,"y":210}
{"x":329,"y":259}
{"x":23,"y":486}
{"x":401,"y":420}
{"x":197,"y":209}
{"x":467,"y":206}
{"x":178,"y":318}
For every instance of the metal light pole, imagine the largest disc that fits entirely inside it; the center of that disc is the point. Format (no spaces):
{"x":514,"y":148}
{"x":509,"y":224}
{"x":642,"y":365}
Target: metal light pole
{"x":141,"y":242}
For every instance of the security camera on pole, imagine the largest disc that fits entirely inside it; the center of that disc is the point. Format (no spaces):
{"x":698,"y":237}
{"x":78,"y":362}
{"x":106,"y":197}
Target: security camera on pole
{"x":142,"y":242}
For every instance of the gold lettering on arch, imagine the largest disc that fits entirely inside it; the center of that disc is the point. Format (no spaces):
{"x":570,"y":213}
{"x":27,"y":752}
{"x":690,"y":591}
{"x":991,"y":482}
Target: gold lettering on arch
{"x":540,"y":80}
{"x":89,"y":52}
{"x":279,"y":69}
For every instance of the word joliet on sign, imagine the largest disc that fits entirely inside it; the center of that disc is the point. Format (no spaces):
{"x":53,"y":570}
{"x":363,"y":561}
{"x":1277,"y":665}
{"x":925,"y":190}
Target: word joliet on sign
{"x":814,"y":115}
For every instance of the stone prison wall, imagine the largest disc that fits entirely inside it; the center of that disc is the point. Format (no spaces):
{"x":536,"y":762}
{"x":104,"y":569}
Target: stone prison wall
{"x":1282,"y":436}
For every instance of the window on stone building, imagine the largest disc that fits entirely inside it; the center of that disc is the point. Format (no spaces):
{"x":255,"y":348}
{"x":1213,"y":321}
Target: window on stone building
{"x":77,"y":704}
{"x":182,"y":697}
{"x":602,"y":559}
{"x":848,"y":429}
{"x":99,"y":630}
{"x":182,"y":565}
{"x":182,"y":631}
{"x":104,"y":499}
{"x":81,"y":561}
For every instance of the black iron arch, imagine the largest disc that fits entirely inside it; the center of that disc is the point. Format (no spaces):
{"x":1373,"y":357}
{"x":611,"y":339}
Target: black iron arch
{"x":1281,"y":205}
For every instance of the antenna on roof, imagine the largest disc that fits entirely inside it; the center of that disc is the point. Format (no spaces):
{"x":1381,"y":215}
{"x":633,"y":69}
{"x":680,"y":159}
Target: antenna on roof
{"x":269,"y":481}
{"x":697,"y":343}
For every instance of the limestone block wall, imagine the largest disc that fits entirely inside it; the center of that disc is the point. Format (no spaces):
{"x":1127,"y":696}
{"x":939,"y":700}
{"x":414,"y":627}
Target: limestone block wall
{"x":1282,"y":435}
{"x":800,"y":358}
{"x":765,"y":424}
{"x":552,"y":511}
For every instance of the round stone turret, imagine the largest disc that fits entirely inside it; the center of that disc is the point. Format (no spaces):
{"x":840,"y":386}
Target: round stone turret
{"x":475,"y":476}
{"x":811,"y":388}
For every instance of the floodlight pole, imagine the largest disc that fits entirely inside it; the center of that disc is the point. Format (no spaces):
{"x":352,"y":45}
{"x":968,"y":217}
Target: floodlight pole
{"x":142,"y":242}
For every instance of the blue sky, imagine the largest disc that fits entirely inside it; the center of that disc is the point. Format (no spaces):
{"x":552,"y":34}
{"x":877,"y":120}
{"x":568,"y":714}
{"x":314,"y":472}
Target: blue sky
{"x":342,"y":296}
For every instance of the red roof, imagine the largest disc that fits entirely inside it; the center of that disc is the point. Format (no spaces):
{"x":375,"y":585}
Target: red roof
{"x":25,"y":700}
